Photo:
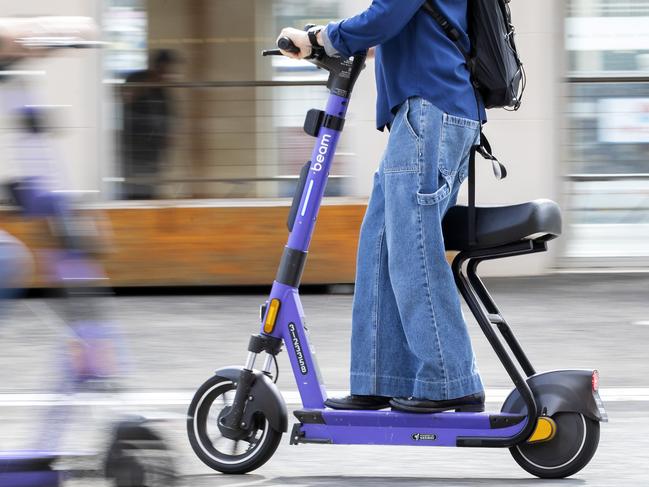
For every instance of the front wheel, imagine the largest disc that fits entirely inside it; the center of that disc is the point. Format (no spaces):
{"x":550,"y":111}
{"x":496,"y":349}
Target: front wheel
{"x":212,"y":401}
{"x":564,"y":455}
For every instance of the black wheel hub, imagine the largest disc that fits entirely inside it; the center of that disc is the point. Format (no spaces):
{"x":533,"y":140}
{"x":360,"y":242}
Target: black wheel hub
{"x":235,"y":434}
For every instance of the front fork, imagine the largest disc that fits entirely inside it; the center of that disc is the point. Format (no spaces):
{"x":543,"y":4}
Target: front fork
{"x":231,"y":424}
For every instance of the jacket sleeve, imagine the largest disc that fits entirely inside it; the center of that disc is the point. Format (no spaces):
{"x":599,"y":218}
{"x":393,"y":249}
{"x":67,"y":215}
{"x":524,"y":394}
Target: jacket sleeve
{"x":382,"y":20}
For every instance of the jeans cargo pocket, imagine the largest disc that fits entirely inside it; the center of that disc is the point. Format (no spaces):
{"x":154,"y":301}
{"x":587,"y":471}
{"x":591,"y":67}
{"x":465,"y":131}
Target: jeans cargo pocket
{"x":445,"y":169}
{"x":457,"y":137}
{"x":403,"y":150}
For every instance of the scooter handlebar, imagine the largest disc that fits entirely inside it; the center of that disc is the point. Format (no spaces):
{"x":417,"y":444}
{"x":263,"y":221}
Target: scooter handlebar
{"x":285,"y":44}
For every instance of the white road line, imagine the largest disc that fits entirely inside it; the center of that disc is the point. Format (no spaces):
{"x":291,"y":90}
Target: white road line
{"x":182,"y":398}
{"x":641,"y":323}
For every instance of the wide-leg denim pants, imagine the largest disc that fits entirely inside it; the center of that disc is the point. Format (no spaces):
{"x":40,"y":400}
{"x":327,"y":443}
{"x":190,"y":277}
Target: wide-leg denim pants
{"x":409,"y":337}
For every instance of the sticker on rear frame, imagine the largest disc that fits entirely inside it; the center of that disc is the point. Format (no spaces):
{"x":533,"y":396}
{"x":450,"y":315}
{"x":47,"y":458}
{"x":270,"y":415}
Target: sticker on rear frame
{"x":424,"y":437}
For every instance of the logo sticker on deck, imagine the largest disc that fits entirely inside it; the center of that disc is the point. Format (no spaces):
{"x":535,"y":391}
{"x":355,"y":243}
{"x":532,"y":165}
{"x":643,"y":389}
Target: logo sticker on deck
{"x":424,"y":437}
{"x":297,"y":346}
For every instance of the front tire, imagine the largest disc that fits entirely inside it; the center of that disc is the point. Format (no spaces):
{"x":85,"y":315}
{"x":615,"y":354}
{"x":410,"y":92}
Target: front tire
{"x":216,"y":451}
{"x":564,"y":455}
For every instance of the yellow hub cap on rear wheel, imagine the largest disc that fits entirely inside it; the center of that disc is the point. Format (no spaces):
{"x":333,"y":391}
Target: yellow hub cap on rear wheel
{"x":545,"y":430}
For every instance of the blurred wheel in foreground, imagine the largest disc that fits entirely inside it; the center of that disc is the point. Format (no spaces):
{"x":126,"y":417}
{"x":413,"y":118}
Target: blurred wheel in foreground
{"x":138,"y":457}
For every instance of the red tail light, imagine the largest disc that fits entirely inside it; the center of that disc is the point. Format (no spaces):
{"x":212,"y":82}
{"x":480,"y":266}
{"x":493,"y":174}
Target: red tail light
{"x":595,"y":380}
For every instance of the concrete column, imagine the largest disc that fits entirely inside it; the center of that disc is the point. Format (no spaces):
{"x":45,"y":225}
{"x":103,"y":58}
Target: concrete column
{"x":214,"y":39}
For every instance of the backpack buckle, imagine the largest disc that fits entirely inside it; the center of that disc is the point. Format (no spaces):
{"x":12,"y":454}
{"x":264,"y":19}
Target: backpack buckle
{"x":484,"y":149}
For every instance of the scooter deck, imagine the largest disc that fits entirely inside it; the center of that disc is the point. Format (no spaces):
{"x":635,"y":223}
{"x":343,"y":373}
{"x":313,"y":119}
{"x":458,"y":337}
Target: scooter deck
{"x":388,"y":427}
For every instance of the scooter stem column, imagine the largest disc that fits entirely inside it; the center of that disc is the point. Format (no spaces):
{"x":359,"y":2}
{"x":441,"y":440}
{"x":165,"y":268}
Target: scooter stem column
{"x":291,"y":314}
{"x":321,"y":160}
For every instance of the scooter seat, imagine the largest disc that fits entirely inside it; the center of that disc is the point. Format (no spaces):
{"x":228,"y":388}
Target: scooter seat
{"x":538,"y":220}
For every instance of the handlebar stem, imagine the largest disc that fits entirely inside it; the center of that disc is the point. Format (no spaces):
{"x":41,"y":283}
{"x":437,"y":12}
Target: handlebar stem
{"x":343,"y":71}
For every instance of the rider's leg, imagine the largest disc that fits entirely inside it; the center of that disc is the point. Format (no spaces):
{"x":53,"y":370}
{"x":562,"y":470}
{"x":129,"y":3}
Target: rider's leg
{"x":375,"y":315}
{"x":408,"y":333}
{"x":427,"y":149}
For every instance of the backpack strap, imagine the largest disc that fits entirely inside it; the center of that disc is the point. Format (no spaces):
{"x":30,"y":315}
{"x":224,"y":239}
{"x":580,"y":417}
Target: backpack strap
{"x":500,"y":172}
{"x":443,"y":22}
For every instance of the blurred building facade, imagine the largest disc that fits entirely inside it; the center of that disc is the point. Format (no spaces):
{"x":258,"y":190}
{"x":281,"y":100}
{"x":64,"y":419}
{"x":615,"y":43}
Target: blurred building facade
{"x":607,"y":142}
{"x":581,"y":137}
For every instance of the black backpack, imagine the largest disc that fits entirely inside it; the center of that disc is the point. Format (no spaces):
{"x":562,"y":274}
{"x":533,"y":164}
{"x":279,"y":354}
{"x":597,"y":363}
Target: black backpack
{"x":496,"y":69}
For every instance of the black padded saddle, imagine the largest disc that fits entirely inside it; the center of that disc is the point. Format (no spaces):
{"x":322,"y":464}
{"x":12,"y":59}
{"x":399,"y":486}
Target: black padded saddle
{"x":538,"y":220}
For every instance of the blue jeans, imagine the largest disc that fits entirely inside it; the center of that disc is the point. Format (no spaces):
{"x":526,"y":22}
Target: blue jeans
{"x":409,"y":337}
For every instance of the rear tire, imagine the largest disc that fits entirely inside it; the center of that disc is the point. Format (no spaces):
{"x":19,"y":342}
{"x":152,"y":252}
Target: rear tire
{"x":564,"y":455}
{"x":216,"y":451}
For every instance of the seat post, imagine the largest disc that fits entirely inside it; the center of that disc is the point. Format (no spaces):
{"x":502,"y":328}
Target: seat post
{"x":472,"y":300}
{"x":497,"y":318}
{"x":471,"y":213}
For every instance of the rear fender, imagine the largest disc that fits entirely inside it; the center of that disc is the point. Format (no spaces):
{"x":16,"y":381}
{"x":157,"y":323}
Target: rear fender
{"x":560,"y":391}
{"x":266,"y":398}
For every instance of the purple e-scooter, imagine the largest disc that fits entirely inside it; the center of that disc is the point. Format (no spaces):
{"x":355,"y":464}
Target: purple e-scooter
{"x":550,"y":421}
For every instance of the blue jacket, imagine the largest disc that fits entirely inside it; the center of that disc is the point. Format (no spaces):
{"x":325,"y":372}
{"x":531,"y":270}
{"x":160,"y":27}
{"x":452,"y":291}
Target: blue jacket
{"x":414,"y":56}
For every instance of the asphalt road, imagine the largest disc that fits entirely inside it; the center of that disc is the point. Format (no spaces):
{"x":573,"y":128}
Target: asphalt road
{"x":175,"y":342}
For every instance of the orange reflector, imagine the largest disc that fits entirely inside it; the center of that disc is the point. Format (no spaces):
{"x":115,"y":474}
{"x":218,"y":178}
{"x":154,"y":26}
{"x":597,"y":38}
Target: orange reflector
{"x":271,"y":315}
{"x":545,"y":430}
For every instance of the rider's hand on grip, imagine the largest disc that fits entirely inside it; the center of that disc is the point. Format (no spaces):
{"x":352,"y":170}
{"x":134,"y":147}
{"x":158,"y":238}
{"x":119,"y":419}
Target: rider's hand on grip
{"x":301,"y":46}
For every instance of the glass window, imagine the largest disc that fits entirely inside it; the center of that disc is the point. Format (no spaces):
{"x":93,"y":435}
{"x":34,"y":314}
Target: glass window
{"x":125,"y":27}
{"x":194,"y":114}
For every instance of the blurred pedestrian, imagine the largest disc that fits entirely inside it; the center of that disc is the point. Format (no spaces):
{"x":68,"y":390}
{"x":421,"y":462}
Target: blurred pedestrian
{"x":147,"y":124}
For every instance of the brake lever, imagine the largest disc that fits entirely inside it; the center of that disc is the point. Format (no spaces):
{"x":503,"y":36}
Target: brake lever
{"x":315,"y":53}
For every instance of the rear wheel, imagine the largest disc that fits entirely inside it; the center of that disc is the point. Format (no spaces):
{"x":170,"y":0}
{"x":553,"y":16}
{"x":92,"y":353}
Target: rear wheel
{"x":211,"y":402}
{"x":564,"y":455}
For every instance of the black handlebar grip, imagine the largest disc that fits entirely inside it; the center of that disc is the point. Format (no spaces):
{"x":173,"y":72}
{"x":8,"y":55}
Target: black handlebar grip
{"x":286,"y":44}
